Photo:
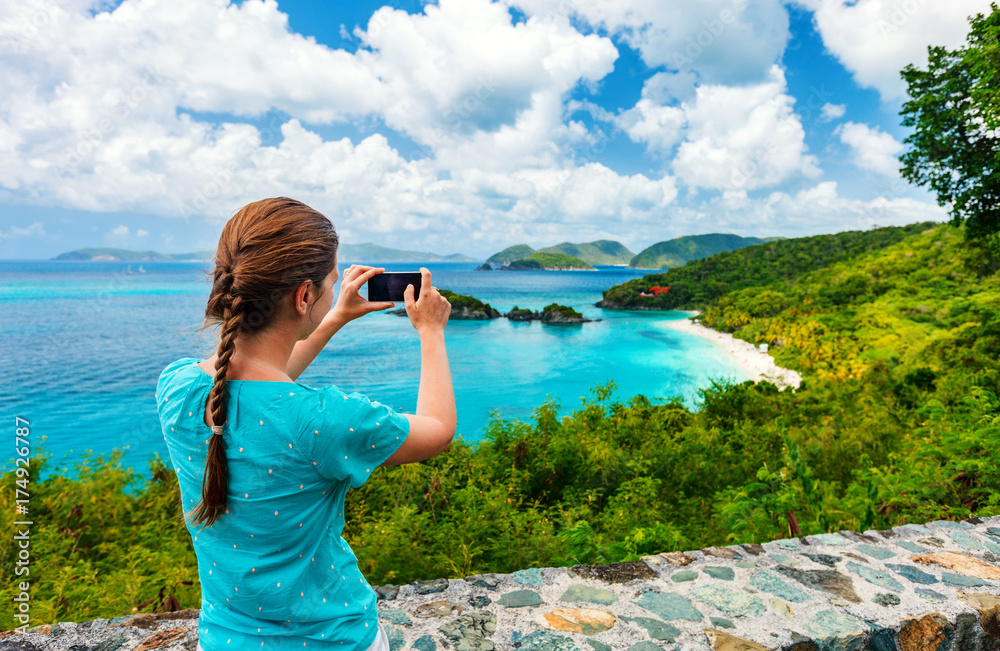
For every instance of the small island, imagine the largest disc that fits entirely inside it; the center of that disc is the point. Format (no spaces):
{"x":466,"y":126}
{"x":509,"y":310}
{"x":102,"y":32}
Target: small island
{"x":552,"y":313}
{"x":542,"y":261}
{"x":463,"y":307}
{"x":469,"y":308}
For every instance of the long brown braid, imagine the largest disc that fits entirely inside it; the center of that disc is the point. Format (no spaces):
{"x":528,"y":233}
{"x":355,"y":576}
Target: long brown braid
{"x":266,"y":250}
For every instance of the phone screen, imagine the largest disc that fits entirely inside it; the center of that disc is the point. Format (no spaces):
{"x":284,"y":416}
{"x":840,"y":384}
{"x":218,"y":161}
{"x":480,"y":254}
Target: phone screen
{"x":390,"y":285}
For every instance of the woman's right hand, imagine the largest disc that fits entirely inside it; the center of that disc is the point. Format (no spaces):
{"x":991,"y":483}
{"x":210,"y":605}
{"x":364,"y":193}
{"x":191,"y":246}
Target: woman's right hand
{"x":432,"y":428}
{"x":430,"y":312}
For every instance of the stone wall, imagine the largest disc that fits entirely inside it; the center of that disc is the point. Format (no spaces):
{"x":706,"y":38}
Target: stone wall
{"x":933,"y":587}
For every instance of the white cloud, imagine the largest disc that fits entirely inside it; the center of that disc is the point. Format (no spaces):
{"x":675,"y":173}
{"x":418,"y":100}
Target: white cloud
{"x":141,"y":233}
{"x":119,"y":231}
{"x":476,"y":71}
{"x":830,"y":112}
{"x":482,"y":95}
{"x":35,"y":229}
{"x":817,"y":209}
{"x":743,"y":138}
{"x":594,"y":192}
{"x":658,"y":127}
{"x":872,"y":149}
{"x":734,"y":137}
{"x":875,"y":39}
{"x":724,"y":41}
{"x":482,"y":91}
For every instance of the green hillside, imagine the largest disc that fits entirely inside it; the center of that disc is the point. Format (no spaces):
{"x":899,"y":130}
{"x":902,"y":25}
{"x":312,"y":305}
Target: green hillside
{"x":511,"y":253}
{"x":910,"y":303}
{"x":598,"y":252}
{"x":695,"y":284}
{"x":679,"y":251}
{"x":550,"y":261}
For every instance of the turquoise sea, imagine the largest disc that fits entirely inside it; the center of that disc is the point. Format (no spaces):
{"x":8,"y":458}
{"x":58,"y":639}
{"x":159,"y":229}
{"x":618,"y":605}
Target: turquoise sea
{"x":84,"y":342}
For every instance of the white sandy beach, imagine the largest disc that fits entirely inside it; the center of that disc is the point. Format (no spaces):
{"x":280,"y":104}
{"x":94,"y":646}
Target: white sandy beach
{"x":758,"y":364}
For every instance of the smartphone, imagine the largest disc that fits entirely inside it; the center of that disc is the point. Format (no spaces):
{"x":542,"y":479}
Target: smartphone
{"x":390,"y":285}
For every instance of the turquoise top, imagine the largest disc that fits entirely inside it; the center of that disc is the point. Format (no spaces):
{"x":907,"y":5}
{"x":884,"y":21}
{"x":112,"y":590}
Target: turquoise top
{"x":274,"y":569}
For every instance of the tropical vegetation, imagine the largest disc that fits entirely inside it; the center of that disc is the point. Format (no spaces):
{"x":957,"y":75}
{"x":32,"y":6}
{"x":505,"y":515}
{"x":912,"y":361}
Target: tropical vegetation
{"x":464,"y":301}
{"x":954,"y":109}
{"x":597,"y":252}
{"x":697,"y":284}
{"x":540,"y":260}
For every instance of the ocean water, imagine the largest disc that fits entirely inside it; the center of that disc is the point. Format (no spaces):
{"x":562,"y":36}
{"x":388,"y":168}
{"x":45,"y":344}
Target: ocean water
{"x":84,"y":342}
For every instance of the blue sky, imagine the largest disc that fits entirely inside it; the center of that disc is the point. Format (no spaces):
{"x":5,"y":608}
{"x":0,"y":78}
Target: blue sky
{"x":460,"y":125}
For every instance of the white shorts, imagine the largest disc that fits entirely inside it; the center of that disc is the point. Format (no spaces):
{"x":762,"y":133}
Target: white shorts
{"x":381,"y":642}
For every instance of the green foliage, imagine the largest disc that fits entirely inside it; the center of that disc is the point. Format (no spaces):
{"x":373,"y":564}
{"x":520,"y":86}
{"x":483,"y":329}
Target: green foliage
{"x":521,"y":313}
{"x":541,"y":260}
{"x":776,"y":263}
{"x":598,"y":252}
{"x":954,"y":109}
{"x":681,"y":250}
{"x":564,"y":310}
{"x":902,"y":305}
{"x":527,"y":264}
{"x":463,"y":300}
{"x":511,"y":253}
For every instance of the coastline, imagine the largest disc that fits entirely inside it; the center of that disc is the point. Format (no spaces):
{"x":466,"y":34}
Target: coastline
{"x":758,"y":364}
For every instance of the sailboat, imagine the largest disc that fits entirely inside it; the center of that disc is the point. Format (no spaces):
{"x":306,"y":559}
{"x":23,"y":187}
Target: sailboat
{"x":129,"y":271}
{"x":141,"y":270}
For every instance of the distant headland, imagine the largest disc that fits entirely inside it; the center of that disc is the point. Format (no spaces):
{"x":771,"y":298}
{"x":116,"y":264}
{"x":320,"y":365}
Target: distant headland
{"x":662,"y":255}
{"x":366,"y":252}
{"x":520,"y":257}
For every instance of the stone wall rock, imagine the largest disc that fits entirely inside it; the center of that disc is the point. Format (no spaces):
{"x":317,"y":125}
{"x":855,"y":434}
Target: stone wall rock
{"x":931,"y":587}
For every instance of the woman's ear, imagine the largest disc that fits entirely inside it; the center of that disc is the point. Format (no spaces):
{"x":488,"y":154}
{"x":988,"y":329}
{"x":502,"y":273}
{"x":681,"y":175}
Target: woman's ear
{"x":303,"y":295}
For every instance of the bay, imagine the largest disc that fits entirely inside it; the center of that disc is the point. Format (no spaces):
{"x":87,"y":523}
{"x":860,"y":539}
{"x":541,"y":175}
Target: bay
{"x":84,"y":343}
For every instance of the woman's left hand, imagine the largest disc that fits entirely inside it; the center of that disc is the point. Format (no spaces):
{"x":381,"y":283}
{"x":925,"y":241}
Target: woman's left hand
{"x":350,"y":304}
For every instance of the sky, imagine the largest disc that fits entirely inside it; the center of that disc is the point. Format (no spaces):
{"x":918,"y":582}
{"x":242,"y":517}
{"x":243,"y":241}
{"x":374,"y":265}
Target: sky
{"x":459,"y":126}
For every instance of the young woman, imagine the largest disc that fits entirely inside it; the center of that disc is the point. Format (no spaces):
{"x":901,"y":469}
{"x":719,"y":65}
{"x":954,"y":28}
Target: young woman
{"x":264,"y":462}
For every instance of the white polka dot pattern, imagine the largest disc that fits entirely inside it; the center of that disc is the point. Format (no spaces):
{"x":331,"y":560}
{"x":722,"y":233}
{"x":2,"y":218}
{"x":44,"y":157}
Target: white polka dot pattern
{"x":249,"y":559}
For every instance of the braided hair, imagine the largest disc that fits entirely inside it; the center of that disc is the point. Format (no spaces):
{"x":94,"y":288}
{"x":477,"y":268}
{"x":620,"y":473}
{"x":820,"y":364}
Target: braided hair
{"x":266,"y":250}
